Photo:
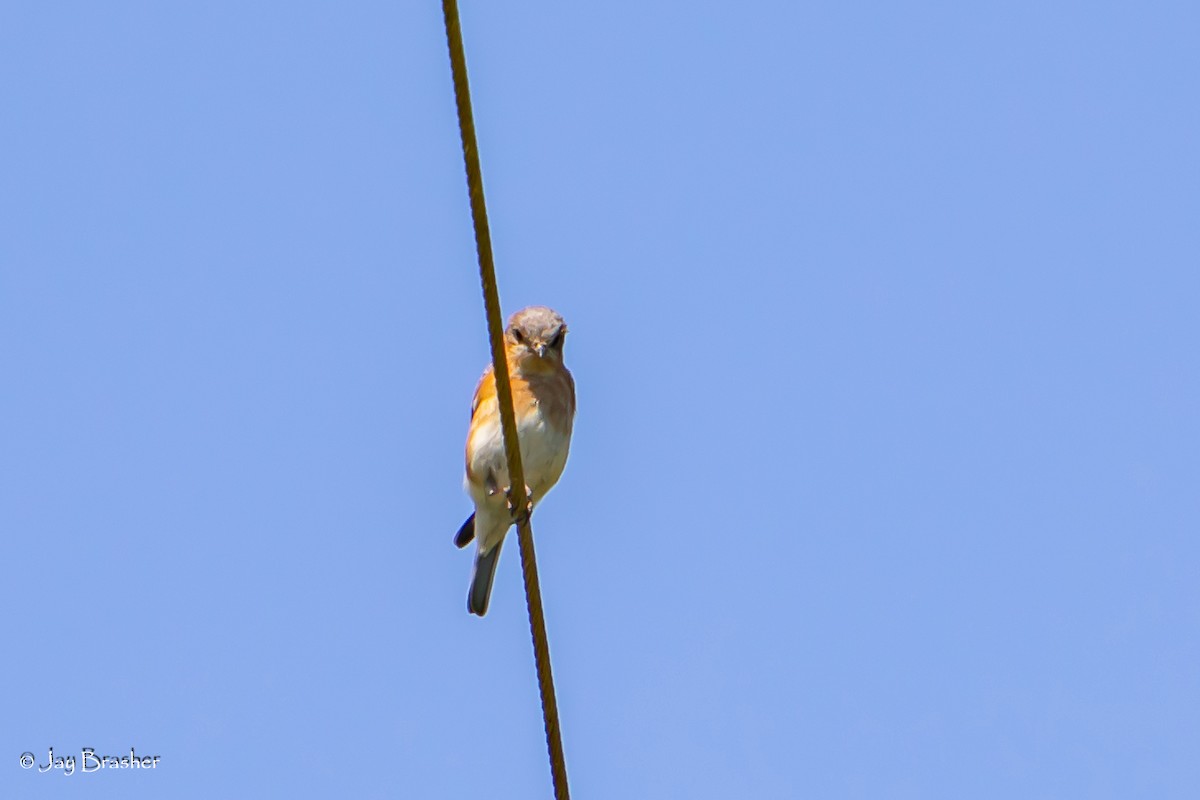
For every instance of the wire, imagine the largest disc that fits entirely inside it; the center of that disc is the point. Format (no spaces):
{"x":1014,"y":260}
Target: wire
{"x":508,"y":419}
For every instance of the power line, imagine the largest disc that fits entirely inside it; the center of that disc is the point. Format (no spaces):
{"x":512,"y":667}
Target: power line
{"x":508,"y":419}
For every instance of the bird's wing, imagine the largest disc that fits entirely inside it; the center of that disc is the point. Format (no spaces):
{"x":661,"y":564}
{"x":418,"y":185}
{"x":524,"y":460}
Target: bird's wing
{"x":486,"y":390}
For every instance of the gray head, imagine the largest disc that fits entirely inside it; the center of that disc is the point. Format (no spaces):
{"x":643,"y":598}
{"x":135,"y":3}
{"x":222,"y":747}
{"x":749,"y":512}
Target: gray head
{"x":536,"y":331}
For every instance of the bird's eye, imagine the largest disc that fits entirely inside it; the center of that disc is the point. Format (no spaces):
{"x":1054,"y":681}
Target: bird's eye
{"x":557,"y":341}
{"x":517,"y":335}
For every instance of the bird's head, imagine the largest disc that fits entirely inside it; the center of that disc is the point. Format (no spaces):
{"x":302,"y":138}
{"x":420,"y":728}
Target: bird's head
{"x":534,"y":338}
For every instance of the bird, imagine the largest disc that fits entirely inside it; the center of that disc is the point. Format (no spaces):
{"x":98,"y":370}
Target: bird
{"x":544,"y":403}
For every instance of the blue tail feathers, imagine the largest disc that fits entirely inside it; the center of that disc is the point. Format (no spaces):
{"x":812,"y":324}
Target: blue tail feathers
{"x":481,"y":580}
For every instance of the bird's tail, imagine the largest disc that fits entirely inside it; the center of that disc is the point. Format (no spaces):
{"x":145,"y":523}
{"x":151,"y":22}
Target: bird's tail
{"x":481,"y":579}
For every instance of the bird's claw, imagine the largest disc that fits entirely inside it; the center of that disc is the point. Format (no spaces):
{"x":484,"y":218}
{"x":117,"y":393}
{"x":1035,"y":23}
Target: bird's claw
{"x":520,"y":515}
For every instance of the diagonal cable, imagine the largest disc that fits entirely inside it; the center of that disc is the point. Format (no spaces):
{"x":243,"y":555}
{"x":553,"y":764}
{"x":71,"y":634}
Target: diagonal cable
{"x":508,"y":421}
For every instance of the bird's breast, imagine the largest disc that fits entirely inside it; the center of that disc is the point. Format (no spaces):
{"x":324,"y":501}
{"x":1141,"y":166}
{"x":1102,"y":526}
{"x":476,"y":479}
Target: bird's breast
{"x":547,"y":409}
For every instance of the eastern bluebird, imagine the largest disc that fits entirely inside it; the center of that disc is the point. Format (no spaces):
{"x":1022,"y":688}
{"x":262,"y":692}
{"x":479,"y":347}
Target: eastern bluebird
{"x":544,"y":402}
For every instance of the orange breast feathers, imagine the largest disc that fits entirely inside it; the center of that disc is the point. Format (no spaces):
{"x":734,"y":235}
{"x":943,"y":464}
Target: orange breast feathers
{"x":548,"y":394}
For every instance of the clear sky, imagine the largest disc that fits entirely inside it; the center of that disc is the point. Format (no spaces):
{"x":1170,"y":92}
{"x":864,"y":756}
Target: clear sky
{"x":885,"y":473}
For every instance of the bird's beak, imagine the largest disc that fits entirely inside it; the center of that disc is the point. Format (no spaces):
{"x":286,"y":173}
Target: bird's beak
{"x":541,"y":350}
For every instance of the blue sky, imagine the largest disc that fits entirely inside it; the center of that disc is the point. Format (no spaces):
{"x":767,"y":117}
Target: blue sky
{"x":884,"y":323}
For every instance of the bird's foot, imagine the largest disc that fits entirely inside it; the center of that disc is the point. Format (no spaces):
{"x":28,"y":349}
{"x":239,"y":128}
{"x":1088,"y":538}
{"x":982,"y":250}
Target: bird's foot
{"x":520,"y":514}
